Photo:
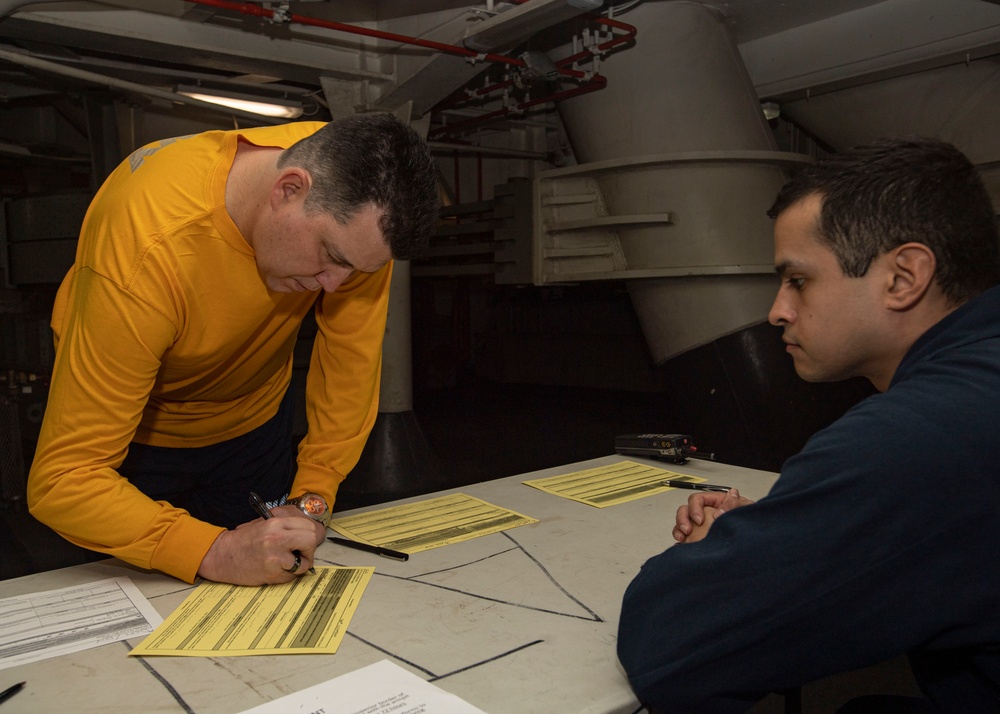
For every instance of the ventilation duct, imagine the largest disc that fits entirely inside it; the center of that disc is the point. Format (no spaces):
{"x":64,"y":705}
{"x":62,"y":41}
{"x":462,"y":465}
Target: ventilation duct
{"x":686,"y":167}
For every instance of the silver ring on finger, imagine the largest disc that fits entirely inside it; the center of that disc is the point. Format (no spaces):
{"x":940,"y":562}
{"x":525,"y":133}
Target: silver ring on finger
{"x":295,"y":565}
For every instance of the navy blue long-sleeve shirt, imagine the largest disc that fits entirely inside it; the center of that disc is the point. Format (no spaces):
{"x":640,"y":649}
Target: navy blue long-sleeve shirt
{"x":879,"y":538}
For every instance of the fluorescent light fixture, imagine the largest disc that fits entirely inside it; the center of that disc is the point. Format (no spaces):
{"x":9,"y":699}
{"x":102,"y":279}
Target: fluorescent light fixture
{"x":265,"y":106}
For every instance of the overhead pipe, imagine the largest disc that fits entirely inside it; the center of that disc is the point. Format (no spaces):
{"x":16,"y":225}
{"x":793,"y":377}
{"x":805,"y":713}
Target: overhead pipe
{"x":596,"y":81}
{"x":281,"y":16}
{"x":592,"y":83}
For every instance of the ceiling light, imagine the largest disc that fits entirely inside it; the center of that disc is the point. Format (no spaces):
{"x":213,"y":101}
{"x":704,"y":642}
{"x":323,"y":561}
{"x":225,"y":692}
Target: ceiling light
{"x":265,"y":106}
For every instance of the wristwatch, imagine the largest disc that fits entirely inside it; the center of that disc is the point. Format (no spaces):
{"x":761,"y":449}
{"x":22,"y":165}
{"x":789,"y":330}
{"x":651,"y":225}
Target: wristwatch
{"x":313,"y":505}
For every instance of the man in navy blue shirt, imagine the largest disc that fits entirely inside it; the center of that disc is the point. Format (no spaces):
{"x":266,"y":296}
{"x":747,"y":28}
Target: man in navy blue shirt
{"x":879,"y":537}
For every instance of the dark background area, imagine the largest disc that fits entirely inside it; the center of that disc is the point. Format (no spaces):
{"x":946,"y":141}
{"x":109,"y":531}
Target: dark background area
{"x":477,"y":413}
{"x":524,"y":395}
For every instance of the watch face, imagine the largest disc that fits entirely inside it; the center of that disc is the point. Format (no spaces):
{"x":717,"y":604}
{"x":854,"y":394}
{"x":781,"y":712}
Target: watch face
{"x":313,"y":505}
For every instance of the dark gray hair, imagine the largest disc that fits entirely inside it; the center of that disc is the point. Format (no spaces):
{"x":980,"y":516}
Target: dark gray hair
{"x":372,"y":159}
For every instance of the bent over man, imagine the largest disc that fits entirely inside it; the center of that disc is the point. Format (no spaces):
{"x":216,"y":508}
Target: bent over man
{"x":197,"y":262}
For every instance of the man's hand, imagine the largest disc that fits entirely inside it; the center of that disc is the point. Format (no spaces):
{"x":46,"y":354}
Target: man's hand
{"x":259,"y":552}
{"x":696,"y":517}
{"x":294,"y":512}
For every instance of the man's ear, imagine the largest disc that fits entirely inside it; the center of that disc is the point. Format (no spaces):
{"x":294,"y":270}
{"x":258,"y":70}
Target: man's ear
{"x":292,"y":185}
{"x":911,"y":267}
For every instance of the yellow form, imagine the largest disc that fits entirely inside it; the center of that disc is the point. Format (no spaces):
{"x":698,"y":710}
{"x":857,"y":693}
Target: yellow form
{"x":308,"y":615}
{"x":608,"y":485}
{"x":414,"y":527}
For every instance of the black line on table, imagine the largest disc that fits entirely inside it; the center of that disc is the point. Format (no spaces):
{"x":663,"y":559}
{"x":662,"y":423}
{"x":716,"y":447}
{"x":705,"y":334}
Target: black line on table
{"x":166,"y":685}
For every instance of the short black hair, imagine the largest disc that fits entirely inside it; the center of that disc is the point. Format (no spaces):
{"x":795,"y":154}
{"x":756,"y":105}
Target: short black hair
{"x":372,"y":159}
{"x":899,"y":190}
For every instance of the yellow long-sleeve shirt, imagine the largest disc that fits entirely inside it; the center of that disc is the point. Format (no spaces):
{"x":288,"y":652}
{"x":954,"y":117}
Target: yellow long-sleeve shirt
{"x":167,"y":335}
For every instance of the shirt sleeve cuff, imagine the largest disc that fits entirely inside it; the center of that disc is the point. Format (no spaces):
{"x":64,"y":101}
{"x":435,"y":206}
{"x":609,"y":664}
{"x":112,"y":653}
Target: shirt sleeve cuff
{"x":184,"y":546}
{"x":317,"y":479}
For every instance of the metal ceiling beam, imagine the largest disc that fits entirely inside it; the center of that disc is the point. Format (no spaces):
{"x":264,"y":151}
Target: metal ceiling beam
{"x":303,"y":55}
{"x":889,"y":39}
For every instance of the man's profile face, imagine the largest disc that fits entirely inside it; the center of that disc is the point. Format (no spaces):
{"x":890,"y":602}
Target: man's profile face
{"x":831,"y":321}
{"x":297,"y":250}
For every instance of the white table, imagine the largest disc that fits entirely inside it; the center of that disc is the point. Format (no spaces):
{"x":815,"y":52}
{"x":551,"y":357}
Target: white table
{"x":520,"y":621}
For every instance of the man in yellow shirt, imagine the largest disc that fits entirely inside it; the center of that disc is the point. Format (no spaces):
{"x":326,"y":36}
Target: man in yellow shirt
{"x":169,"y":404}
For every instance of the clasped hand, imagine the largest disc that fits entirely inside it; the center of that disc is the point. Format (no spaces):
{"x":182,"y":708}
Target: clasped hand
{"x":695,"y":518}
{"x":260,"y":552}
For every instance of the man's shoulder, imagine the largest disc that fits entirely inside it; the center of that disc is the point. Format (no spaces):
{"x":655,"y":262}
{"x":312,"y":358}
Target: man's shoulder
{"x":936,"y":423}
{"x":282,"y":135}
{"x":970,"y":329}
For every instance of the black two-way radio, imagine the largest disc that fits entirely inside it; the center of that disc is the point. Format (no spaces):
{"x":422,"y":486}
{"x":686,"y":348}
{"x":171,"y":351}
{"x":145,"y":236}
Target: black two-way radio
{"x":676,"y":448}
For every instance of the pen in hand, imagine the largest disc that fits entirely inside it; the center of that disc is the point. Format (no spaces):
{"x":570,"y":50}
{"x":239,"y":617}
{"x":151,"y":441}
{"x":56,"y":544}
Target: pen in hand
{"x":264,"y":512}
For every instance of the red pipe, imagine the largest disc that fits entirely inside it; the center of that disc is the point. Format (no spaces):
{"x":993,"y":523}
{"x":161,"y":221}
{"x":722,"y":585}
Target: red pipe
{"x":630,"y":33}
{"x":594,"y":83}
{"x":257,"y":11}
{"x":597,"y":82}
{"x":629,"y":30}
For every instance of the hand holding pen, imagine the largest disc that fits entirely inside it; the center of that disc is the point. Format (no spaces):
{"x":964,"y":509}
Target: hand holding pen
{"x":260,"y":552}
{"x":264,"y":512}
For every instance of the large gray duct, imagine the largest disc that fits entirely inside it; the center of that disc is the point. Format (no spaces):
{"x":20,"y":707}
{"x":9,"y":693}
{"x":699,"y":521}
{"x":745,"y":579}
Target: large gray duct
{"x":682,"y":96}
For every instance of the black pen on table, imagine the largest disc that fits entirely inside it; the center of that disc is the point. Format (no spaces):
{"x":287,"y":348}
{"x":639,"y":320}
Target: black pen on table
{"x":10,"y":691}
{"x":264,"y":512}
{"x":377,"y":549}
{"x":695,"y":486}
